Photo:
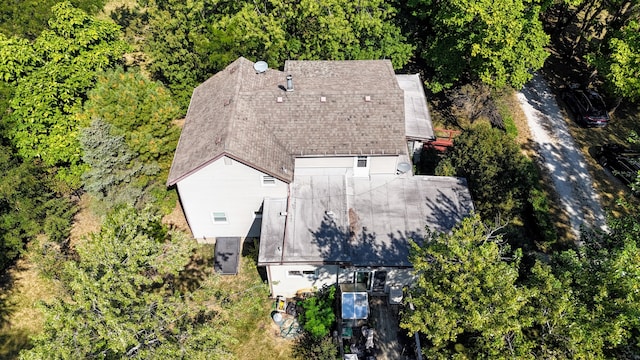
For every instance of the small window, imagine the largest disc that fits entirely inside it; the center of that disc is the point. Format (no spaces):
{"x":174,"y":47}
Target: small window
{"x":268,"y":180}
{"x":309,"y":274}
{"x":362,"y":162}
{"x":219,"y":217}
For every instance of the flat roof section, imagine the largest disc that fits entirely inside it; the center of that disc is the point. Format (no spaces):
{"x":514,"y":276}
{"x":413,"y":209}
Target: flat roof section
{"x":359,"y":221}
{"x":227,"y":254}
{"x":417,"y":119}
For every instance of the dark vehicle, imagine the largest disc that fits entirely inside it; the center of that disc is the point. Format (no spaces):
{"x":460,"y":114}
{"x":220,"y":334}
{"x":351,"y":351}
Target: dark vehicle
{"x":587,"y":107}
{"x":624,"y":163}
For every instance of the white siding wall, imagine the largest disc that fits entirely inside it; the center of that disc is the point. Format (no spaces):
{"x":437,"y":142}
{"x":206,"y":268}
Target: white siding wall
{"x":339,"y":165}
{"x":285,"y":281}
{"x":234,"y":189}
{"x":383,"y":164}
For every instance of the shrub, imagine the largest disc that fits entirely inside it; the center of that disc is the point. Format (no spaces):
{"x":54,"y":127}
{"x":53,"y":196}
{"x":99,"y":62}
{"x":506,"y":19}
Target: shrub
{"x":318,"y":316}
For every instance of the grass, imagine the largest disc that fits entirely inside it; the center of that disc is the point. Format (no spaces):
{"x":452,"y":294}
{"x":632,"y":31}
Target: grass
{"x":250,"y":321}
{"x":257,"y":334}
{"x":20,"y":295}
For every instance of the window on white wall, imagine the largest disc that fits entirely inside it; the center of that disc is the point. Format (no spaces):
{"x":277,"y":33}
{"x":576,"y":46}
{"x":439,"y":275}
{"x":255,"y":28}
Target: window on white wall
{"x":361,"y":166}
{"x":268,"y":180}
{"x":362,"y":162}
{"x":219,"y":217}
{"x":309,"y":274}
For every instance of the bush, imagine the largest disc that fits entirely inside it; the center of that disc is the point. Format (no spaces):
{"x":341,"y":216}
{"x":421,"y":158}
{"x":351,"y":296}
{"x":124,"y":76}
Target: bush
{"x":318,"y":316}
{"x":309,"y":347}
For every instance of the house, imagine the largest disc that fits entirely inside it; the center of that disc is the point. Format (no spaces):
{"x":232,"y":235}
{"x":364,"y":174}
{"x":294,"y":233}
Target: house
{"x":316,"y":160}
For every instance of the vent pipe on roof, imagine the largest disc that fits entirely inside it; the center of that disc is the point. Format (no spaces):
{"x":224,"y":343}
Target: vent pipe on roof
{"x":289,"y":83}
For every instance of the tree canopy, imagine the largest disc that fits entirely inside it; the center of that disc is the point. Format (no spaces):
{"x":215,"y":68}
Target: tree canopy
{"x":188,"y":42}
{"x":124,"y":299}
{"x":620,"y":62}
{"x":28,"y":207}
{"x":14,"y":20}
{"x":466,"y":293}
{"x":129,"y":144}
{"x":52,"y":75}
{"x":474,"y":298}
{"x":498,"y":42}
{"x":497,"y":172}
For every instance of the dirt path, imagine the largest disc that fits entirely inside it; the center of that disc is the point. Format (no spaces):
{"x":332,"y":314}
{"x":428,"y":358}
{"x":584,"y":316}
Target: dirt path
{"x":562,"y":159}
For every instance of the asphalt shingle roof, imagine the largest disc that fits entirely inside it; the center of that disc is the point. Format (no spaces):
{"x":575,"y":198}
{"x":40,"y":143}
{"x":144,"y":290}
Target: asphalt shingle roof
{"x":336,"y":108}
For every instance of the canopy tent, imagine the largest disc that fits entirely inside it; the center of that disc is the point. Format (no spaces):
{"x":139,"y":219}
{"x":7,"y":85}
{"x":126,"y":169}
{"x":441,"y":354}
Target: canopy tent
{"x":355,"y":305}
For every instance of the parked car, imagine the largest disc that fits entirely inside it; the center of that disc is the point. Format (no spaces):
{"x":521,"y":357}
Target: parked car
{"x":586,"y":106}
{"x":623,"y":162}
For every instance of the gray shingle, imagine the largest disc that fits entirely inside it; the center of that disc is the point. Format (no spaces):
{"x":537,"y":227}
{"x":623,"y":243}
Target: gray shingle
{"x":337,"y":107}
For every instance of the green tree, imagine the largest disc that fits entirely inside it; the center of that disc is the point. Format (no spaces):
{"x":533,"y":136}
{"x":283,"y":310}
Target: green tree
{"x":113,"y":169}
{"x":318,"y":317}
{"x":305,"y":29}
{"x":466,"y":299}
{"x":28,"y":207}
{"x":27,"y":18}
{"x":130,"y":144}
{"x":497,"y":172}
{"x":498,"y":42}
{"x":52,"y":75}
{"x":123,"y":299}
{"x":188,"y":42}
{"x":177,"y":42}
{"x":140,"y":110}
{"x":309,"y":347}
{"x":619,"y":62}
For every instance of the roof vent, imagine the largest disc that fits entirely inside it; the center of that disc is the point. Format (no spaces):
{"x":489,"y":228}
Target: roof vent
{"x":403,"y":167}
{"x":260,"y":67}
{"x":289,"y":83}
{"x":367,"y":98}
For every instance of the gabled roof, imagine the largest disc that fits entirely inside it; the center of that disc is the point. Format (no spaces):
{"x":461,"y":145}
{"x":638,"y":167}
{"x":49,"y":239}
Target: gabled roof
{"x":336,"y":108}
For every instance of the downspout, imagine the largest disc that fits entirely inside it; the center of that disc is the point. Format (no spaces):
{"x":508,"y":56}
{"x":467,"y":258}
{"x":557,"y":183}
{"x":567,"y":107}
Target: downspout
{"x":286,"y":222}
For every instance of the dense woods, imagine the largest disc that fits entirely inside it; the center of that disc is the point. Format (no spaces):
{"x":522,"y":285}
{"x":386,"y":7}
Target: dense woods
{"x":89,"y":101}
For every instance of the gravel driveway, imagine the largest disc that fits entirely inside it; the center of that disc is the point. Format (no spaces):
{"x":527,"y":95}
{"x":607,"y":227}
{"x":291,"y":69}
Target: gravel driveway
{"x":561,"y":157}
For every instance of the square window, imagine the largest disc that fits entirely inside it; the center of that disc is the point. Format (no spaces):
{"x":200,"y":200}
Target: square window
{"x":362,"y":161}
{"x":219,"y":217}
{"x":268,"y":180}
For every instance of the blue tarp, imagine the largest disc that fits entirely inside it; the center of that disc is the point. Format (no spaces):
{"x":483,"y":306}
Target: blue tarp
{"x":355,"y":305}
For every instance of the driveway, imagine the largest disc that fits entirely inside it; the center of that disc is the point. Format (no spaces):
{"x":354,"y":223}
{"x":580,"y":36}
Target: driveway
{"x":562,"y":159}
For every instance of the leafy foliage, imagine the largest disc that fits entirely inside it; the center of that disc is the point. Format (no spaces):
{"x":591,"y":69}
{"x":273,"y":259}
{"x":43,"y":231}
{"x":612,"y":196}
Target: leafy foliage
{"x":620,"y":62}
{"x":497,"y":42}
{"x":28,"y":207}
{"x":138,"y":109}
{"x":496,"y":171}
{"x":123,"y":299}
{"x":191,"y":41}
{"x":27,"y":18}
{"x":318,"y":316}
{"x":51,"y":76}
{"x":466,"y":292}
{"x":131,"y":140}
{"x":309,"y":347}
{"x":113,"y":171}
{"x":474,"y":299}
